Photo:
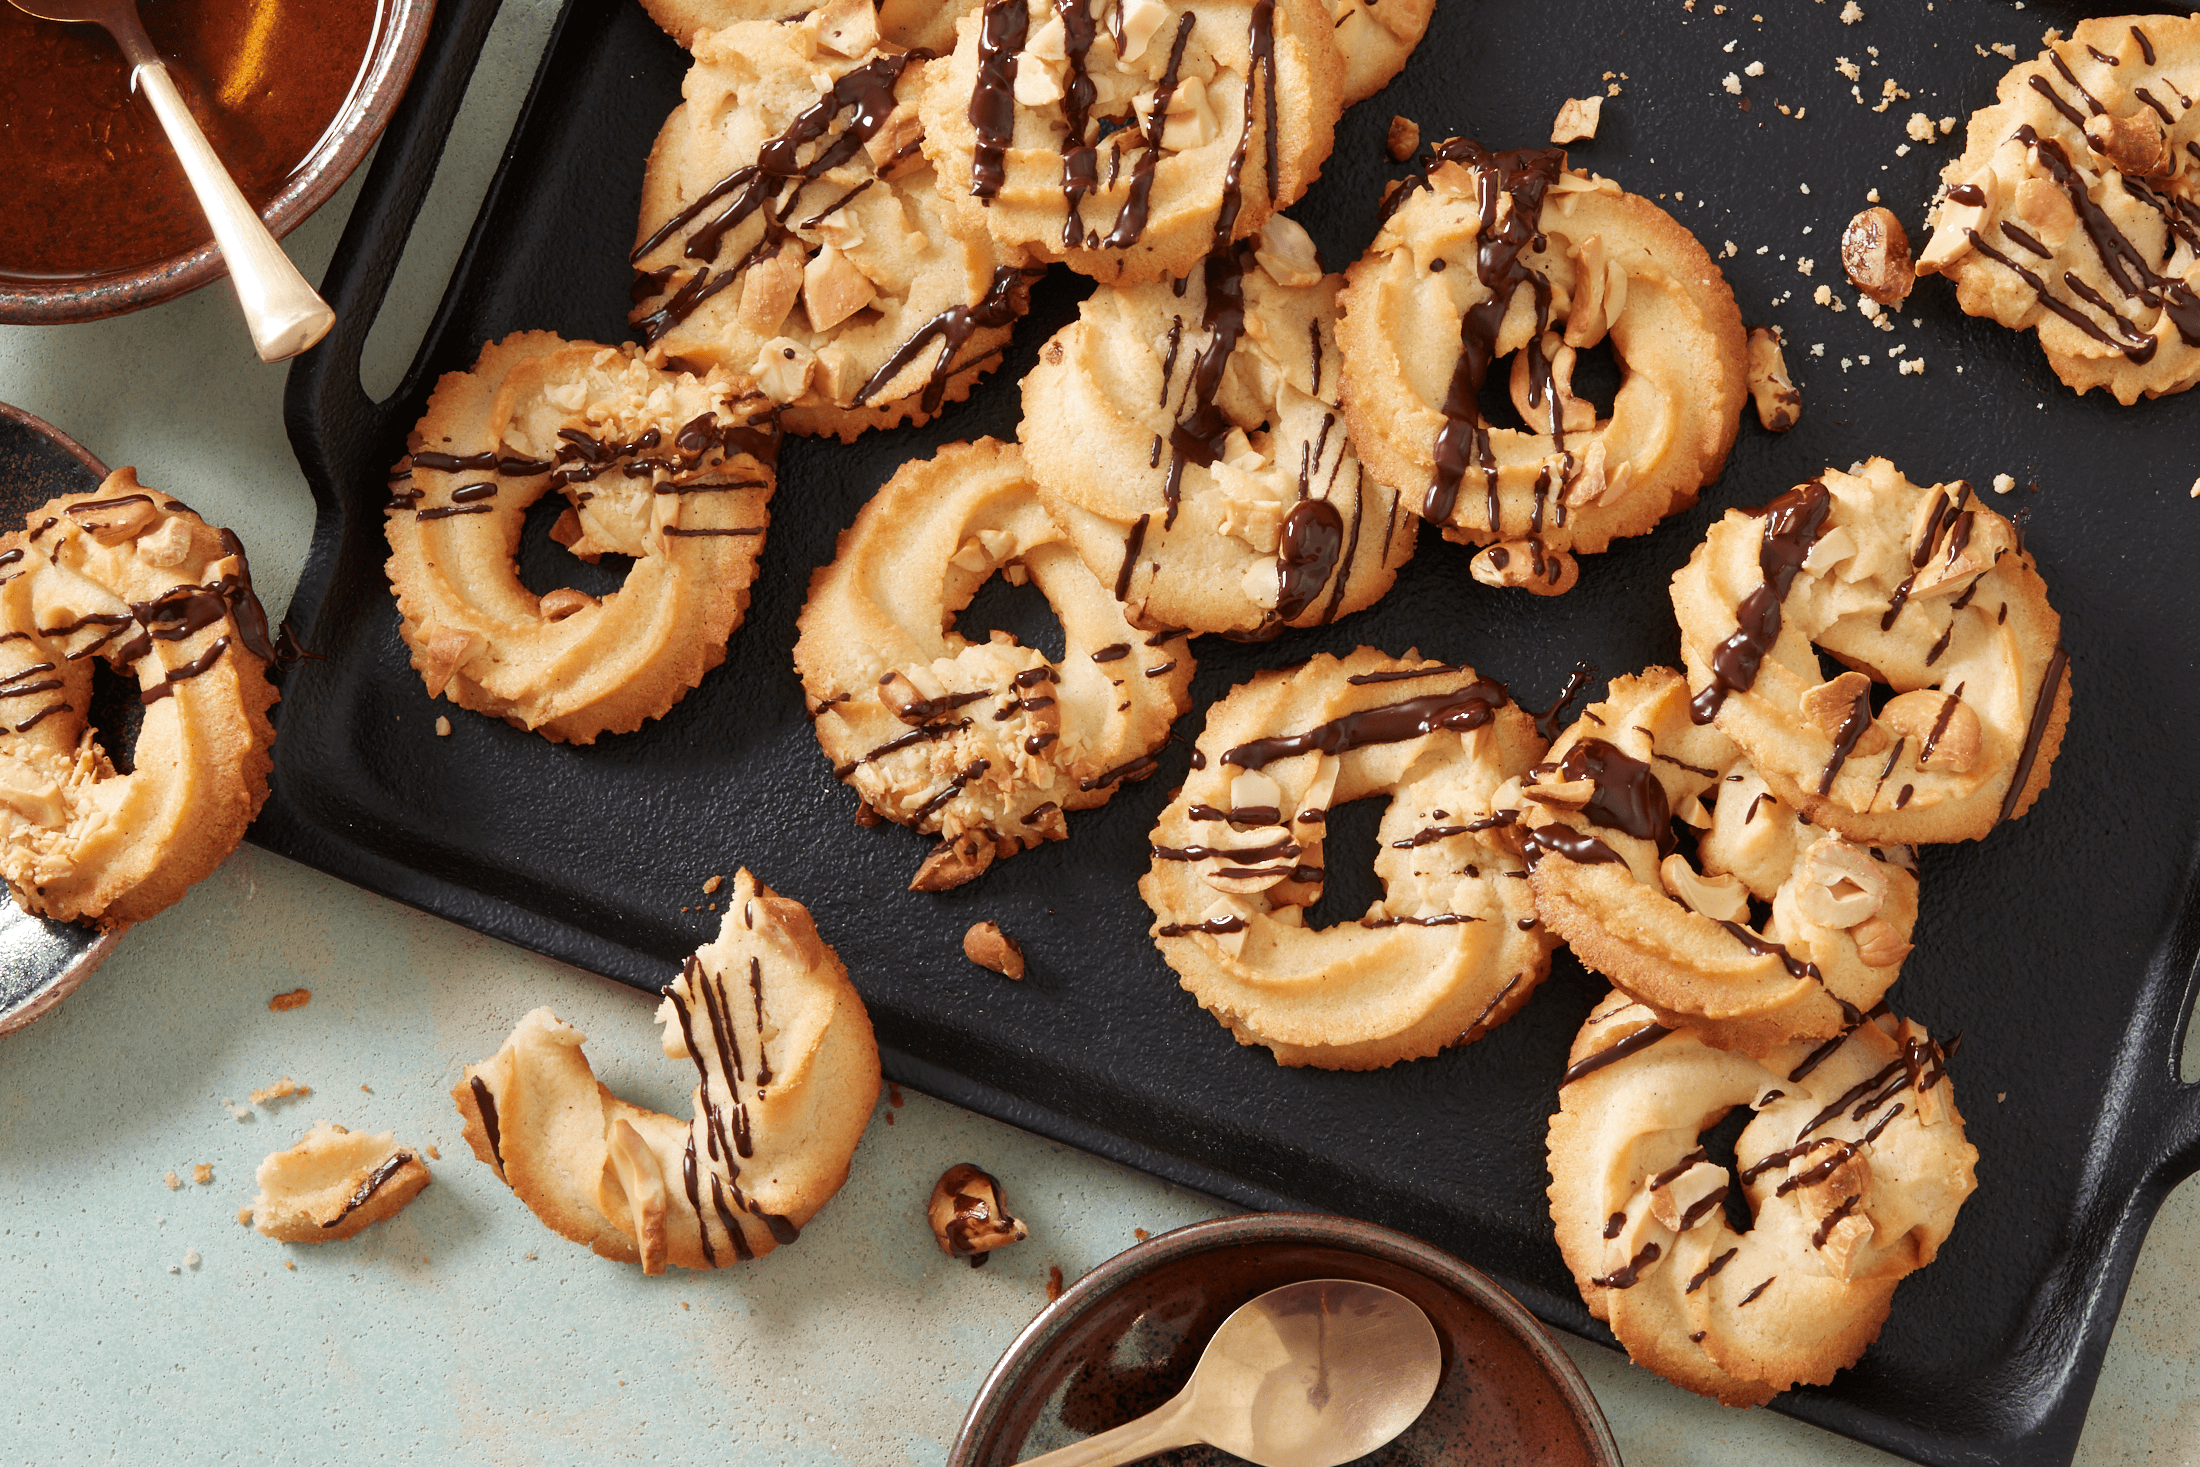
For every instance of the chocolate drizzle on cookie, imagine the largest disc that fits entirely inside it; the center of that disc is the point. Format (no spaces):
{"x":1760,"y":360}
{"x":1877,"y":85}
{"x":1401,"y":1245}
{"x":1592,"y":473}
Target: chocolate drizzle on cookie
{"x":1130,"y":220}
{"x":2127,"y":268}
{"x":1462,"y":710}
{"x":1523,"y":175}
{"x":1001,"y":33}
{"x":1004,"y":300}
{"x":1793,"y":523}
{"x":866,"y":93}
{"x":725,"y":1139}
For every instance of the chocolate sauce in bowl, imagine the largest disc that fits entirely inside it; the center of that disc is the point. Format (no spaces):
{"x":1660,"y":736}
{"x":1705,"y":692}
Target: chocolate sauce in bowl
{"x":1132,"y":1350}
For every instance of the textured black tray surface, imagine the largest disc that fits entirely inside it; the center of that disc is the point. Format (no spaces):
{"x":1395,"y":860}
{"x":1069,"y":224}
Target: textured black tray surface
{"x":2062,"y":948}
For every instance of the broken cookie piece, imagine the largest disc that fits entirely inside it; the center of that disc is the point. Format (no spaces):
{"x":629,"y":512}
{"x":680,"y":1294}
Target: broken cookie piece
{"x":1577,"y":119}
{"x":333,"y":1183}
{"x":969,"y":1217}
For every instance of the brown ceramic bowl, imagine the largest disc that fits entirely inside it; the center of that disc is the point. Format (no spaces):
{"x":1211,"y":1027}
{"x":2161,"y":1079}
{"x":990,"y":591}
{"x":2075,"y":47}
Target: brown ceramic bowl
{"x":400,"y":29}
{"x":1125,"y":1337}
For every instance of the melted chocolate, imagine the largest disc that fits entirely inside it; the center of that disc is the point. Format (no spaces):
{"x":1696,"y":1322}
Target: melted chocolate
{"x":486,"y":1103}
{"x":1547,"y":722}
{"x":1633,"y":1041}
{"x":2035,"y":732}
{"x":1523,"y":175}
{"x":390,"y":1167}
{"x":1130,"y":220}
{"x":1306,"y":557}
{"x":1004,"y":300}
{"x":1629,"y":1276}
{"x":1461,"y":711}
{"x":1628,"y":794}
{"x":1580,"y":848}
{"x":1710,"y":1270}
{"x":1213,"y":926}
{"x":1793,"y":523}
{"x":1199,"y":434}
{"x":1001,"y":34}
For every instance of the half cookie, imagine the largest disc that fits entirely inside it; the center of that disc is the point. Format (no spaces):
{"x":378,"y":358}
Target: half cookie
{"x":787,"y":1075}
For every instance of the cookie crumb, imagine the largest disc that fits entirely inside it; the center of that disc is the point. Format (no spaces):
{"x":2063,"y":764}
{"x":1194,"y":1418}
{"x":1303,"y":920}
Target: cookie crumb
{"x":244,"y":1217}
{"x":1914,"y":367}
{"x":1140,"y":1234}
{"x":191,"y":1258}
{"x":282,"y":1089}
{"x":203,"y":1173}
{"x":434,"y":1155}
{"x":2007,"y":484}
{"x":442,"y":728}
{"x":1054,"y":1282}
{"x":989,"y":947}
{"x":293,"y":1267}
{"x":2004,"y":49}
{"x":1919,"y":128}
{"x":2196,"y":488}
{"x":1848,"y":68}
{"x":237,"y":1112}
{"x":2002,"y":1095}
{"x":173,"y":1181}
{"x":1851,"y":13}
{"x":1733,"y":84}
{"x":1402,"y":139}
{"x":713,"y":884}
{"x":1755,"y":68}
{"x":297,"y":998}
{"x":894,"y":1096}
{"x":1577,"y":119}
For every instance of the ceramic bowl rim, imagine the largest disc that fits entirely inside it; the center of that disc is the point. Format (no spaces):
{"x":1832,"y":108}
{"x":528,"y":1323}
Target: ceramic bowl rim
{"x":1343,"y":1233}
{"x":400,"y":36}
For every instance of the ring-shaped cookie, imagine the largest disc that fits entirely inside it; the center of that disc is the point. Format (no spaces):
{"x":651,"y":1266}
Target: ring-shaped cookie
{"x":786,"y":1078}
{"x":1129,"y":138}
{"x":2075,"y":208}
{"x":794,"y":236}
{"x":1680,"y":935}
{"x":131,"y":576}
{"x":1191,"y":443}
{"x":1451,"y":950}
{"x":671,"y":469}
{"x":1854,"y":1166}
{"x":1920,"y":589}
{"x":986,"y":743}
{"x":1490,"y":255}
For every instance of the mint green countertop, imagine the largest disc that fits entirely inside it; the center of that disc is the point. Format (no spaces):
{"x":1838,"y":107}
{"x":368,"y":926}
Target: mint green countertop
{"x":143,"y":1324}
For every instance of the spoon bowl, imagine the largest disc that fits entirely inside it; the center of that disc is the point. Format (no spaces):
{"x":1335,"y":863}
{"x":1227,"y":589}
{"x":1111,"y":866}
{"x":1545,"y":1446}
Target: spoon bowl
{"x":1312,"y":1374}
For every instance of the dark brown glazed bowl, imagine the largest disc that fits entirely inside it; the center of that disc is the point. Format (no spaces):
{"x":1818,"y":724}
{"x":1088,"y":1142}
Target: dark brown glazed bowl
{"x":1125,"y":1337}
{"x":400,"y":29}
{"x":41,"y":961}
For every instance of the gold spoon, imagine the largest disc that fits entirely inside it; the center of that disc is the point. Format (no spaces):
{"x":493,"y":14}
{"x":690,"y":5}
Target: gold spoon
{"x":284,"y":314}
{"x":1309,"y":1375}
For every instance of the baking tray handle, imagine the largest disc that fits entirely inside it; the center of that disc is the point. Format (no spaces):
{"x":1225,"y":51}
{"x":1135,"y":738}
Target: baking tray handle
{"x":327,"y":413}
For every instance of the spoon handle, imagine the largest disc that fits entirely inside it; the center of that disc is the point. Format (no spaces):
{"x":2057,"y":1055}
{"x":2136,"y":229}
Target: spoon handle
{"x":283,"y":312}
{"x":1159,"y":1430}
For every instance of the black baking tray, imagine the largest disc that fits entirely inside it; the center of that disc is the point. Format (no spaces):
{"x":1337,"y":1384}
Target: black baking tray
{"x":2063,"y":948}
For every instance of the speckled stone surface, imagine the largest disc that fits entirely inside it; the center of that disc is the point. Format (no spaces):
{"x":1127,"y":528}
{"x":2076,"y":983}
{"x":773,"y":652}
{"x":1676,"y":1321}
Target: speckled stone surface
{"x":462,"y":1330}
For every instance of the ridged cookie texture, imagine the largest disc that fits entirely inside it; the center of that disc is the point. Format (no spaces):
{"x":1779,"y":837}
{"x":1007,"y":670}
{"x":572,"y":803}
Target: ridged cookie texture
{"x":2075,"y":208}
{"x":1487,"y":256}
{"x":1853,"y":1166}
{"x":672,"y":469}
{"x":989,"y":743}
{"x":791,"y":233}
{"x":1451,"y":950}
{"x":1190,"y":440}
{"x":787,"y":1075}
{"x":1918,"y":589}
{"x":1659,"y":856}
{"x":1130,"y":138}
{"x":129,"y":575}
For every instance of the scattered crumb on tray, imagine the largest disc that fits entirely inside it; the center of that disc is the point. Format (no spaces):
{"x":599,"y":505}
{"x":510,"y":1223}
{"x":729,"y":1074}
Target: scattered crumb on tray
{"x":282,"y":1089}
{"x":297,"y":998}
{"x":173,"y":1181}
{"x":203,"y":1173}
